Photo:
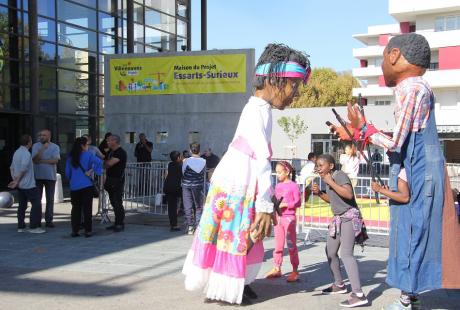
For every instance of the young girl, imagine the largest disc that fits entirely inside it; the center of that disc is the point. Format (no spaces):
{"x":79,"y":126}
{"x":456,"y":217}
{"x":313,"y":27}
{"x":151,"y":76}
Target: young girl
{"x":289,"y":191}
{"x":239,"y":202}
{"x":345,"y":226}
{"x":402,"y":196}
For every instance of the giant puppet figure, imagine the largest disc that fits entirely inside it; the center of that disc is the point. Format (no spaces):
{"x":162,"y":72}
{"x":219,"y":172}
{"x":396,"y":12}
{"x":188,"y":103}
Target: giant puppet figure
{"x":424,"y":249}
{"x":239,"y":208}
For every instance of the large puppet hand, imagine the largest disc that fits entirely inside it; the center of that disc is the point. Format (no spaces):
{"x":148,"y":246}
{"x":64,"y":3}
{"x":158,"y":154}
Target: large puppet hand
{"x":341,"y":133}
{"x":354,"y":116}
{"x":261,"y":227}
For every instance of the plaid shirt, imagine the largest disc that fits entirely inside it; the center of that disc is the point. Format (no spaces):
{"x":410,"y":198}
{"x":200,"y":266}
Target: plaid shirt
{"x":413,"y":100}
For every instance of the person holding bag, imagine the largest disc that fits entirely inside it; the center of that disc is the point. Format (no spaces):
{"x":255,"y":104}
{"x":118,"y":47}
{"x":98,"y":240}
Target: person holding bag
{"x":80,"y":166}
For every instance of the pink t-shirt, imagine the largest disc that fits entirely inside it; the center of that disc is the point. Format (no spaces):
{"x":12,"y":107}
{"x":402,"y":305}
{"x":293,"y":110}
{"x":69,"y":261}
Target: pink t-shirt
{"x":291,"y":195}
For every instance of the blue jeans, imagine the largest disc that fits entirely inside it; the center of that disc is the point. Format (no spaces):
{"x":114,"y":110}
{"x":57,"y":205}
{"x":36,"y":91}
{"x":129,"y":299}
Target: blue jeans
{"x":49,"y":192}
{"x":192,"y":198}
{"x":31,"y":195}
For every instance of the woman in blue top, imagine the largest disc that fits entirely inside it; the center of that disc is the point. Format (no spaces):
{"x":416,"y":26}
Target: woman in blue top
{"x":80,"y":167}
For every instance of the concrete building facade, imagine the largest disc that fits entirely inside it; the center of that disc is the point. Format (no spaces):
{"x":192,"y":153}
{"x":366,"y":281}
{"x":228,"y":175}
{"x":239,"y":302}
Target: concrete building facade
{"x":439,"y":22}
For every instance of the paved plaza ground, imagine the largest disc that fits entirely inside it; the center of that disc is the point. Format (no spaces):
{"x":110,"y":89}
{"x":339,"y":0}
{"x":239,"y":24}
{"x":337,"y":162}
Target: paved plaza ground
{"x":140,"y":268}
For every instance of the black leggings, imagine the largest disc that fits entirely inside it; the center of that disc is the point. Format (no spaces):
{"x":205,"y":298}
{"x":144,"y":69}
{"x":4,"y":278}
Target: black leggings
{"x":82,"y":201}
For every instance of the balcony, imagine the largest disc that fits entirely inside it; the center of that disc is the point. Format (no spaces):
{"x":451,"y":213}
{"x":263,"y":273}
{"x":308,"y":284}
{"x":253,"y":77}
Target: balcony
{"x":371,"y":71}
{"x":443,"y":78}
{"x":408,"y":10}
{"x":366,"y":52}
{"x":439,"y":39}
{"x":373,"y":91}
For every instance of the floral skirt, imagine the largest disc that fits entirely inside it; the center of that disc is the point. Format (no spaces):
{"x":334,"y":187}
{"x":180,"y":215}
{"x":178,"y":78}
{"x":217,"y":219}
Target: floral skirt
{"x":218,"y":261}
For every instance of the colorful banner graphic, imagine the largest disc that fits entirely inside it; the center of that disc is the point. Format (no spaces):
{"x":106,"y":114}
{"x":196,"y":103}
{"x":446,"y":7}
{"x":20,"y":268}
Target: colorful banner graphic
{"x":204,"y":74}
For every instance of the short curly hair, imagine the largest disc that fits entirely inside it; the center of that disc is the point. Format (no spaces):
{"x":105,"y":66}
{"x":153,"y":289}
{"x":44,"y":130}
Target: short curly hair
{"x":414,"y":47}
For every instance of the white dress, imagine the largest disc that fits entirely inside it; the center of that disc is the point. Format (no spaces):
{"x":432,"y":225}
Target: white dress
{"x":218,"y":261}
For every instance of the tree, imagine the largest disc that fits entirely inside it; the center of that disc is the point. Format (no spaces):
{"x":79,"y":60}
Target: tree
{"x":326,"y":88}
{"x":293,"y":127}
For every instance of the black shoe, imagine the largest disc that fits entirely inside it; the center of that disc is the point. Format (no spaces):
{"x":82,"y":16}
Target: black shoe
{"x":119,"y":228}
{"x":111,"y":227}
{"x":74,"y":235}
{"x":174,"y":229}
{"x":88,"y":234}
{"x":249,"y":292}
{"x":49,"y":225}
{"x":246,"y":301}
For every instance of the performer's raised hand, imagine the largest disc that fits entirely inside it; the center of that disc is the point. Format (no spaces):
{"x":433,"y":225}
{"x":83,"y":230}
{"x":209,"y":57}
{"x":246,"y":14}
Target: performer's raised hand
{"x":354,"y":116}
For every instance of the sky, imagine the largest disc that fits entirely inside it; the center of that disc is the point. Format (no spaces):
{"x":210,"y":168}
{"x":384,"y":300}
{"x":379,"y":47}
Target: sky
{"x":321,"y":28}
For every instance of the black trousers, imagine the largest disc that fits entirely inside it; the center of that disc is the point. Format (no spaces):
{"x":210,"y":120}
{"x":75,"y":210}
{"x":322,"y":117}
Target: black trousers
{"x":82,"y":201}
{"x":172,"y":208}
{"x":114,"y":187}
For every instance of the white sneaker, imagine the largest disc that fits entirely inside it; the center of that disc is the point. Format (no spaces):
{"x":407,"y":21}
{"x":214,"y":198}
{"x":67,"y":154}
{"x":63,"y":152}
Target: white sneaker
{"x":190,"y":231}
{"x":37,"y":230}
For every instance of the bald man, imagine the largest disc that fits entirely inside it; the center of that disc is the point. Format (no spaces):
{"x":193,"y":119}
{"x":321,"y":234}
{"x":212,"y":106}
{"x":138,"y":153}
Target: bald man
{"x":46,"y":155}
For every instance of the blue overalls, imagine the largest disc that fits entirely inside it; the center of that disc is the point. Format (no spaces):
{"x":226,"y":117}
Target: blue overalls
{"x":414,"y":263}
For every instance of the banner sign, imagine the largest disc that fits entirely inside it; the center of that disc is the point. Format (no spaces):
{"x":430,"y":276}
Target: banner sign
{"x":204,"y":74}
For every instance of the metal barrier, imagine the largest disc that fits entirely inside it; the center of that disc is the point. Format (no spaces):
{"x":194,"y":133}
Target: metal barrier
{"x":453,"y":170}
{"x":315,"y":213}
{"x":143,"y":193}
{"x":143,"y":190}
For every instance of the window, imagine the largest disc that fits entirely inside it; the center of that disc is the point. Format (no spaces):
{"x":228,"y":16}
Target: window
{"x":77,"y":37}
{"x":46,"y":29}
{"x":378,"y":61}
{"x":451,"y":23}
{"x":447,"y":23}
{"x":109,"y":6}
{"x":138,"y":33}
{"x":73,"y":81}
{"x":45,"y":7}
{"x":47,"y":52}
{"x":71,"y":58}
{"x":182,"y":8}
{"x":77,"y":15}
{"x":434,"y":66}
{"x":107,"y":44}
{"x":47,"y":76}
{"x":181,"y":28}
{"x":130,"y":137}
{"x":71,"y":103}
{"x":382,"y":102}
{"x":439,"y":24}
{"x":163,"y":6}
{"x":138,"y":13}
{"x":106,"y":23}
{"x":162,"y":137}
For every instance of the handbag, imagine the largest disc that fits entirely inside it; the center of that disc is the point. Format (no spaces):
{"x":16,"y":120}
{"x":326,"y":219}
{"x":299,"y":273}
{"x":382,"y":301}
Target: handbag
{"x":362,"y":236}
{"x":94,"y":187}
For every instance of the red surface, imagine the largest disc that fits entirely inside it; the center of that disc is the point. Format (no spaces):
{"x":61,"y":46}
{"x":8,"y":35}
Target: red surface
{"x":449,"y":57}
{"x":363,"y":63}
{"x":383,"y":39}
{"x":382,"y":81}
{"x":405,"y":27}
